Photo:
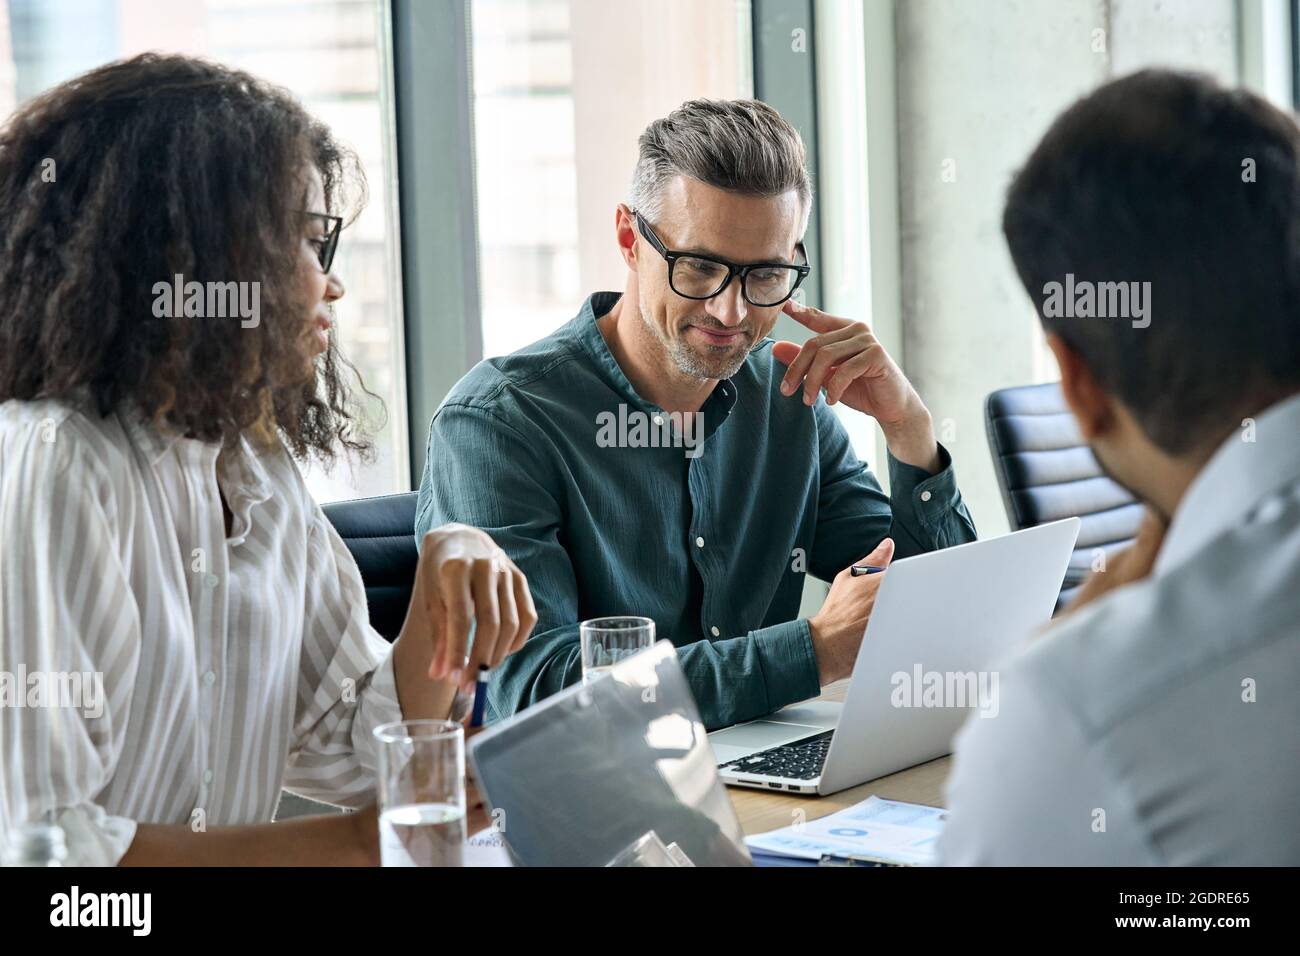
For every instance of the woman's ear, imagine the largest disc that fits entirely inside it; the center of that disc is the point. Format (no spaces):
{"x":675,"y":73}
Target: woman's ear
{"x":1093,"y":408}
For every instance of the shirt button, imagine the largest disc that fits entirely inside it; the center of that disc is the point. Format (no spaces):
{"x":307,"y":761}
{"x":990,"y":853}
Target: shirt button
{"x":209,"y":679}
{"x":715,"y":632}
{"x":699,"y":542}
{"x":207,"y":776}
{"x":211,"y":580}
{"x":926,"y":496}
{"x":659,"y":420}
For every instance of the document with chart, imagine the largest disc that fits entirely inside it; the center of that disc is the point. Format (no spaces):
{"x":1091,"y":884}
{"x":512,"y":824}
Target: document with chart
{"x":882,"y":831}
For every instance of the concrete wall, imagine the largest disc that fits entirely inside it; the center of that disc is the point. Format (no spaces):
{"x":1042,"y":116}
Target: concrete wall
{"x":978,"y":83}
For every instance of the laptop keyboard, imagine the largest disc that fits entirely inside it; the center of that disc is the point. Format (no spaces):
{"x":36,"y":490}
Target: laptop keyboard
{"x":801,"y":760}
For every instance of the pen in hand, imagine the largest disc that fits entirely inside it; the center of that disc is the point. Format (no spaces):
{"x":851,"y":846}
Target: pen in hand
{"x":480,"y":697}
{"x":858,"y":570}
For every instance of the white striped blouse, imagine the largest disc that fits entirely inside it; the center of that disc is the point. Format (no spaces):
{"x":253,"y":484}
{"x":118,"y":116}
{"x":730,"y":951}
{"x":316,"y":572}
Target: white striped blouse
{"x":230,"y":667}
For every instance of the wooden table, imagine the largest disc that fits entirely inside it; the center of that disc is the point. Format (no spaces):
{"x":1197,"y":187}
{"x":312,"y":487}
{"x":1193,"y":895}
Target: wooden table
{"x":763,"y":810}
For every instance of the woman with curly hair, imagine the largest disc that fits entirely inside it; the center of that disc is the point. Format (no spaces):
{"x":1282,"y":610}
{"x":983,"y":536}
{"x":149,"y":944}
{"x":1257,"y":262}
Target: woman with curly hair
{"x":167,"y":228}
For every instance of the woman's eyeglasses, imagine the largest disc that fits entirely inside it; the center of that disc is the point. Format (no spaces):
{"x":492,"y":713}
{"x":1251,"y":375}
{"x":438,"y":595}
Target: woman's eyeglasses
{"x":328,"y":243}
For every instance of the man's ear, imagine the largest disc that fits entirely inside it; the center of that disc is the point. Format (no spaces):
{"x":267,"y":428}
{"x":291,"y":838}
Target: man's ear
{"x":625,"y":233}
{"x":1092,"y":408}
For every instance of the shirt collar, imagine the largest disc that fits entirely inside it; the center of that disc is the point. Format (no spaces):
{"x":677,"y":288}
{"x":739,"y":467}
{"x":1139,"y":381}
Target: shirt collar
{"x":152,"y":441}
{"x":1237,"y":476}
{"x":589,"y":335}
{"x":241,"y":469}
{"x":716,"y":407}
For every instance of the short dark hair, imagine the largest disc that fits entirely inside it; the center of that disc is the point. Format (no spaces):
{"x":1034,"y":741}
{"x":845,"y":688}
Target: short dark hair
{"x":165,"y":165}
{"x":1169,"y":178}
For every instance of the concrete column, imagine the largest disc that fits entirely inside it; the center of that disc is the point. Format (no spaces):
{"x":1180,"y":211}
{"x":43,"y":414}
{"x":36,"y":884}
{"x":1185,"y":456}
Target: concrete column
{"x":978,"y":84}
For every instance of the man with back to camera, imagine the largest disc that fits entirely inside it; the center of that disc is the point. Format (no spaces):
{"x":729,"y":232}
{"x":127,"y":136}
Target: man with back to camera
{"x":1158,"y":722}
{"x":659,"y":456}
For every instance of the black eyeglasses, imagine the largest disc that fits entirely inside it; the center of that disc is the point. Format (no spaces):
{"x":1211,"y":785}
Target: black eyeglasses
{"x":327,"y":244}
{"x":692,"y":276}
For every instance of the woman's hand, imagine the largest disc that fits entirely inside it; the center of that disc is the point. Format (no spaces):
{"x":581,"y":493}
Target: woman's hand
{"x":463,"y":581}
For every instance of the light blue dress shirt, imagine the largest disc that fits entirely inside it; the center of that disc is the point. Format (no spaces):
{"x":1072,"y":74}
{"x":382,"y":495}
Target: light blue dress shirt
{"x":1160,"y":725}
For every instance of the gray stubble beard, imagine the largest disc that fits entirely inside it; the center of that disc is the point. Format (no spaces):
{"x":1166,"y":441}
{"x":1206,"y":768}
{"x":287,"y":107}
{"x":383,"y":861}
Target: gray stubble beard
{"x":687,"y":361}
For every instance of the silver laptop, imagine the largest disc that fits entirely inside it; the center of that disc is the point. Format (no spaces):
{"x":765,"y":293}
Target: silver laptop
{"x":615,"y":770}
{"x":942,"y":624}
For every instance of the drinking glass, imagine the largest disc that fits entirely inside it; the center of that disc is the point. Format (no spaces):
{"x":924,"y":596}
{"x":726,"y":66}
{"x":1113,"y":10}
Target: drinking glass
{"x":421,"y":793}
{"x":608,"y":640}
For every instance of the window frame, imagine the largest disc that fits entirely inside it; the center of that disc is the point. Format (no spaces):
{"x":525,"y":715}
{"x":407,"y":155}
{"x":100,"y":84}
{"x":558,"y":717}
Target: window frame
{"x":442,"y":315}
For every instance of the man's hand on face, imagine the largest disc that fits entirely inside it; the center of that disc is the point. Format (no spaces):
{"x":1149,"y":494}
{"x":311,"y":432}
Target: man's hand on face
{"x":1132,"y":564}
{"x":838,"y":627}
{"x":845,"y":358}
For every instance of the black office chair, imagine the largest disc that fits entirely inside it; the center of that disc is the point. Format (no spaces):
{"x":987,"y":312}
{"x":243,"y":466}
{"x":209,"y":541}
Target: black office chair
{"x":1046,"y":472}
{"x":380,"y":533}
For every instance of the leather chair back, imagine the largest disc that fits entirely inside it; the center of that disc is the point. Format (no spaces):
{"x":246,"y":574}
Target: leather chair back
{"x":1046,"y":472}
{"x":380,"y":533}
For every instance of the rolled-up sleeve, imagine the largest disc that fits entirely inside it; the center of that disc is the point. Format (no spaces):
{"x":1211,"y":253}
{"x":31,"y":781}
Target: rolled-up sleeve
{"x":67,"y":618}
{"x":346,"y":685}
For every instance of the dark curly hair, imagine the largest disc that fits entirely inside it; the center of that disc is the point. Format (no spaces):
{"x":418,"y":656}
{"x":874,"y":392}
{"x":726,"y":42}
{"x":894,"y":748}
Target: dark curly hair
{"x":166,"y":165}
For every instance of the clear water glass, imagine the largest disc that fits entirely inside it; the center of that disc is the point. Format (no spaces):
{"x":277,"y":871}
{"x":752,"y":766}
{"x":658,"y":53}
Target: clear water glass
{"x":421,"y":793}
{"x":608,"y":640}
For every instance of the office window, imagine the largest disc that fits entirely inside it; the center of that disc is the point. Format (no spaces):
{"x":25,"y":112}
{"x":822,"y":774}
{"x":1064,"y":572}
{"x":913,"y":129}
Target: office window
{"x":334,"y":55}
{"x":561,"y":91}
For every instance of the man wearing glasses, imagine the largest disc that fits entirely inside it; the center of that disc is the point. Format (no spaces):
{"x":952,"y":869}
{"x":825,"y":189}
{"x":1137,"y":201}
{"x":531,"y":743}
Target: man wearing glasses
{"x":564,"y":451}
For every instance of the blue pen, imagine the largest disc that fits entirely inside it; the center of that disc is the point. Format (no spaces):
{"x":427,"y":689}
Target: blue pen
{"x":858,"y":570}
{"x":480,"y":697}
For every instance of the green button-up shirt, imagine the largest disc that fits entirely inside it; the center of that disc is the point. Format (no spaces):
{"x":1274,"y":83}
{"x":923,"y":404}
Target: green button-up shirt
{"x":708,"y":530}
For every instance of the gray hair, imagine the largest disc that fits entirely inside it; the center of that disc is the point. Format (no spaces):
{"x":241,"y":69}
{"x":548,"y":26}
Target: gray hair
{"x":742,"y":146}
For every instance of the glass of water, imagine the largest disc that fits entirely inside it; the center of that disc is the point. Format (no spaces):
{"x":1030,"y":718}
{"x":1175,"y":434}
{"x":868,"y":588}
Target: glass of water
{"x":421,"y":793}
{"x":607,"y":640}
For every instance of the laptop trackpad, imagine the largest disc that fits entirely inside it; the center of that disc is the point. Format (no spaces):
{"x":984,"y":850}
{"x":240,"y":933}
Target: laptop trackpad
{"x":744,"y":739}
{"x":821,"y":714}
